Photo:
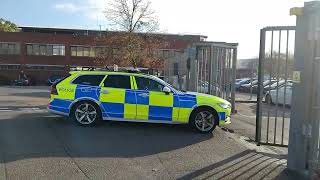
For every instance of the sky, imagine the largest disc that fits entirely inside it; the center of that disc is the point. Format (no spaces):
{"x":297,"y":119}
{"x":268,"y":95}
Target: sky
{"x":234,"y":21}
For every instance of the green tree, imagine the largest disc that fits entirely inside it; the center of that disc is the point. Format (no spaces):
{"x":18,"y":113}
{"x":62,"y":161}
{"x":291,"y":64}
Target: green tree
{"x":7,"y":26}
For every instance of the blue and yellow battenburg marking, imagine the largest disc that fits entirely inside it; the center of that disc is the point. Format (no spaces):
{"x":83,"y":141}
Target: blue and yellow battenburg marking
{"x":146,"y":105}
{"x":130,"y":104}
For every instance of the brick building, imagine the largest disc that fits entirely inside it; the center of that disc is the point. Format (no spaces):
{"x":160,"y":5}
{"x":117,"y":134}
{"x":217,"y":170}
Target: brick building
{"x":44,"y":52}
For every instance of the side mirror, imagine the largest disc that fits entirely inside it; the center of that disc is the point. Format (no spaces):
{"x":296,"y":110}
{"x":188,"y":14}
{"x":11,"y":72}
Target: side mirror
{"x":166,"y":90}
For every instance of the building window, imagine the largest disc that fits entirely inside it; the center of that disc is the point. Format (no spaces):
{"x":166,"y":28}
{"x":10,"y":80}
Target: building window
{"x":87,"y":51}
{"x":9,"y":67}
{"x":49,"y":50}
{"x":9,"y":48}
{"x":35,"y":49}
{"x":92,"y":52}
{"x":73,"y":51}
{"x":45,"y":50}
{"x":58,"y":50}
{"x":79,"y":51}
{"x":29,"y":49}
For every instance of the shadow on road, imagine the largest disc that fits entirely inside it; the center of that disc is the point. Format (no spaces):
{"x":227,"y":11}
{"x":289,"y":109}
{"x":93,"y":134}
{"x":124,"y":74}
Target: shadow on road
{"x":248,"y":164}
{"x":29,"y":136}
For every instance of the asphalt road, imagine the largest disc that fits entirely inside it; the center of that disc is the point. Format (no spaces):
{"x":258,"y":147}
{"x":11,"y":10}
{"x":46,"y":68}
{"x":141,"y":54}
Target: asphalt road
{"x":37,"y":145}
{"x":275,"y":121}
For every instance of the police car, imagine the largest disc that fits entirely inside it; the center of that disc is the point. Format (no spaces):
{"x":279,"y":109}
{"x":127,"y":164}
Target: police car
{"x":88,"y":97}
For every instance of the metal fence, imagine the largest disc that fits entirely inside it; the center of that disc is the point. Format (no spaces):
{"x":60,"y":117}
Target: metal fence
{"x":213,"y":70}
{"x":274,"y":85}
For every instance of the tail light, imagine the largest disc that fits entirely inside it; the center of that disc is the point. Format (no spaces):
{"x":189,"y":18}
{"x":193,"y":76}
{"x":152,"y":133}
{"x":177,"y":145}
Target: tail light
{"x":54,"y":89}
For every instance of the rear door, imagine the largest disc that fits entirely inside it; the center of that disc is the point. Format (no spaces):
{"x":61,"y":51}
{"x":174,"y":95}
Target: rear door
{"x":117,"y":98}
{"x":88,"y":86}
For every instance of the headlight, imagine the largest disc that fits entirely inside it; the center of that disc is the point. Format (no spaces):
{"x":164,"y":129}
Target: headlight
{"x":224,"y":106}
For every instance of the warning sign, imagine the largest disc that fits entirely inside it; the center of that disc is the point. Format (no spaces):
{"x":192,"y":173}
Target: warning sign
{"x":296,"y":77}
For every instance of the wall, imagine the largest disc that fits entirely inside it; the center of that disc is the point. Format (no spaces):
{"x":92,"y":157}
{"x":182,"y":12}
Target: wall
{"x":176,"y":43}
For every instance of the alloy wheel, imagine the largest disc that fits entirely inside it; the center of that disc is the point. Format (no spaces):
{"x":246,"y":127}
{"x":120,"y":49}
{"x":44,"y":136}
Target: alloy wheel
{"x":85,"y":113}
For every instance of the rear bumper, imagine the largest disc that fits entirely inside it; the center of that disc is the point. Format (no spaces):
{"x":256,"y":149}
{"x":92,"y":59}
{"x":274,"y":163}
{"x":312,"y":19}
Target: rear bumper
{"x":56,"y":111}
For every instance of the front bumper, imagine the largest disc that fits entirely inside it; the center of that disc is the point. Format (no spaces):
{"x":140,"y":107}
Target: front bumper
{"x":225,"y":122}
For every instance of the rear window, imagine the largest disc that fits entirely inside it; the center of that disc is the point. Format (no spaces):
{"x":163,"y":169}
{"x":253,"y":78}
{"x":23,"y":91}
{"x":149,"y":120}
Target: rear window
{"x":63,"y":78}
{"x":90,"y":80}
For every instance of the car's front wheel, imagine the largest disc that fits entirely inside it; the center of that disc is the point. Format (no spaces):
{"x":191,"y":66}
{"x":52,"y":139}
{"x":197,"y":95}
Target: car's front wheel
{"x":203,"y":120}
{"x":86,"y":113}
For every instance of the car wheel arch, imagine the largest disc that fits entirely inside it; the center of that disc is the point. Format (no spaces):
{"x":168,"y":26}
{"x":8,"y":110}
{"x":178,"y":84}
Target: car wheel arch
{"x":212,"y":109}
{"x":76,"y":102}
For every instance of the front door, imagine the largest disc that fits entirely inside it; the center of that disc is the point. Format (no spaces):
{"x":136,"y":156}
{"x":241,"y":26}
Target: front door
{"x":118,"y":98}
{"x":152,"y":103}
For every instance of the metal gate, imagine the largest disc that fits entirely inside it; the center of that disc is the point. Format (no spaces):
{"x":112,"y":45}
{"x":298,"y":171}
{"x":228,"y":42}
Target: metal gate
{"x":274,"y":85}
{"x":213,"y":69}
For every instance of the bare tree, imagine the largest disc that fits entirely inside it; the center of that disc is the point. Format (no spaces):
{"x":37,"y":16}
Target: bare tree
{"x":132,"y":16}
{"x":135,"y":43}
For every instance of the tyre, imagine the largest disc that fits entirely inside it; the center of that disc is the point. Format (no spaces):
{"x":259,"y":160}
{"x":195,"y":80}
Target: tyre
{"x":203,"y":120}
{"x":86,"y":113}
{"x":268,"y":99}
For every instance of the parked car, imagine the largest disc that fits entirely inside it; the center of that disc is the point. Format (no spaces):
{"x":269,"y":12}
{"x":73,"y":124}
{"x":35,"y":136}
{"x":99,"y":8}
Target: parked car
{"x":53,"y":79}
{"x":21,"y":82}
{"x":276,"y":85}
{"x":247,"y":87}
{"x":203,"y":87}
{"x":265,"y":84}
{"x":284,"y":95}
{"x":243,"y":81}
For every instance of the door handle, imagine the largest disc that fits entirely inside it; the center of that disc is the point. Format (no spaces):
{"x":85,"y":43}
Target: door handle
{"x":105,"y":92}
{"x":143,"y":95}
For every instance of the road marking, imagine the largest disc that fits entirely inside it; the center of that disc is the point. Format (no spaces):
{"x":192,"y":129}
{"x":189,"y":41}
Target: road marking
{"x":4,"y":108}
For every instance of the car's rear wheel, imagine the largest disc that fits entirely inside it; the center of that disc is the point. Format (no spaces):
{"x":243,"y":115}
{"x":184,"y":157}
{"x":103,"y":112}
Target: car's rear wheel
{"x":268,"y":99}
{"x":86,"y":113}
{"x":204,"y":120}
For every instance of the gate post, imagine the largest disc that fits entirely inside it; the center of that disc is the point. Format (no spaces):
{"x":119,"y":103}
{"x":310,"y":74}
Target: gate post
{"x":192,"y":71}
{"x":260,"y":85}
{"x":233,"y":80}
{"x":304,"y":95}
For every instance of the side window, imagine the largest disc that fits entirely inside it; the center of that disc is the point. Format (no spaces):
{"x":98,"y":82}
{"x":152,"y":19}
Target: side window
{"x":118,"y":81}
{"x":91,"y":80}
{"x":148,"y":84}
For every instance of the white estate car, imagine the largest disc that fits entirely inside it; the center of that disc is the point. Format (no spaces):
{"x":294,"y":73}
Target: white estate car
{"x":284,"y":95}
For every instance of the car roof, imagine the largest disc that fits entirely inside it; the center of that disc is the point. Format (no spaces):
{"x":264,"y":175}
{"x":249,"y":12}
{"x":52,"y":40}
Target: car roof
{"x":110,"y":72}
